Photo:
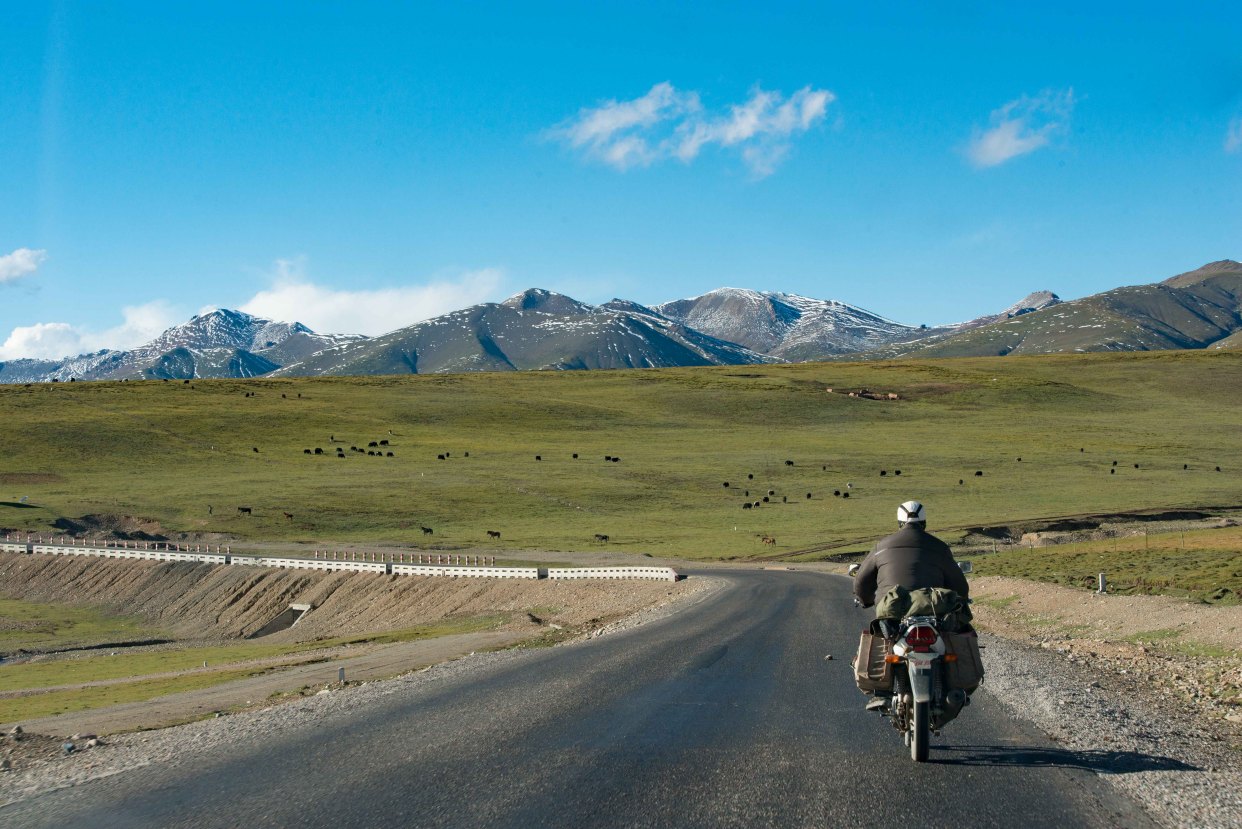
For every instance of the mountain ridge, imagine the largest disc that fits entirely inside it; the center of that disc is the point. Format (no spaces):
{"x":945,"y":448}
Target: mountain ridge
{"x":539,"y":329}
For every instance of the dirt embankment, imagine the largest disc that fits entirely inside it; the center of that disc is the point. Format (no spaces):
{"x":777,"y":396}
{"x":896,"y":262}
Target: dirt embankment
{"x":1184,"y":651}
{"x":203,"y":601}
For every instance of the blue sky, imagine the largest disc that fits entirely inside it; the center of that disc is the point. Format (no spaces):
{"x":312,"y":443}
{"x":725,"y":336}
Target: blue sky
{"x":359,"y":167}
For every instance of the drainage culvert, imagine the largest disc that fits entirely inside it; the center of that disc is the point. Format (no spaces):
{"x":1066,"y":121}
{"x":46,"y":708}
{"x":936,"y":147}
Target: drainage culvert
{"x":283,"y":621}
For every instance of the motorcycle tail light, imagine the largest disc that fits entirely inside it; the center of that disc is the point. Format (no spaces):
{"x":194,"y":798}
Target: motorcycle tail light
{"x":921,"y":637}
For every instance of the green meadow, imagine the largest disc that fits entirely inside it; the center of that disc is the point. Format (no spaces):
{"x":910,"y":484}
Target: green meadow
{"x":134,"y":676}
{"x":182,"y":454}
{"x":38,"y":626}
{"x":1204,"y":565}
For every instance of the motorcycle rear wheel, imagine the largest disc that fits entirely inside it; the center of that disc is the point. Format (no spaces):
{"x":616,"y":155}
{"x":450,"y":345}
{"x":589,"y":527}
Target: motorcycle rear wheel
{"x":920,"y":732}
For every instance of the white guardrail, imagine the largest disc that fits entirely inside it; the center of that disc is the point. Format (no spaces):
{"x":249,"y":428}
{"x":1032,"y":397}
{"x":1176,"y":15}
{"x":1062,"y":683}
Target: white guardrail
{"x":391,"y":568}
{"x":112,"y":552}
{"x":466,"y":572}
{"x":312,"y":564}
{"x":657,"y":573}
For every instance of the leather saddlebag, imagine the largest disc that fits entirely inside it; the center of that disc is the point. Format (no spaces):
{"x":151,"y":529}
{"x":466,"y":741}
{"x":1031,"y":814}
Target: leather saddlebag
{"x":871,"y":672}
{"x":966,"y":672}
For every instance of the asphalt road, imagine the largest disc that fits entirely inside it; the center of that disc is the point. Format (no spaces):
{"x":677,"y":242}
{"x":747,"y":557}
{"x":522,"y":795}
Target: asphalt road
{"x":726,"y":714}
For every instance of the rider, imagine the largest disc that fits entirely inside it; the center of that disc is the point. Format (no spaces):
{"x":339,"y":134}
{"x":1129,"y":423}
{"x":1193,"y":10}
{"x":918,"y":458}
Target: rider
{"x":911,"y":558}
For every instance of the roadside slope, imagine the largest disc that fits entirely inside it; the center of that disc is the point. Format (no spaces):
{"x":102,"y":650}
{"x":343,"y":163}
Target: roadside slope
{"x":203,"y":601}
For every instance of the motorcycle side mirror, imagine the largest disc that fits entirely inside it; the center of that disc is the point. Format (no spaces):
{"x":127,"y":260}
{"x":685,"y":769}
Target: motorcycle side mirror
{"x":853,"y":570}
{"x":966,"y":566}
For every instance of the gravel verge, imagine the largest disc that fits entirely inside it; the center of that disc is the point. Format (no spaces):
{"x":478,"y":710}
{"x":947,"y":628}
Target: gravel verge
{"x":1180,"y":764}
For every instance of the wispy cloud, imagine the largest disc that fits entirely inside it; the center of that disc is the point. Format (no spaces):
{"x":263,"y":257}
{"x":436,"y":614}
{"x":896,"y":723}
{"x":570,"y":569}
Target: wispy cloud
{"x":1021,"y":126}
{"x":19,"y":263}
{"x":670,"y":124}
{"x":293,"y":297}
{"x":1233,"y":137}
{"x":55,"y":340}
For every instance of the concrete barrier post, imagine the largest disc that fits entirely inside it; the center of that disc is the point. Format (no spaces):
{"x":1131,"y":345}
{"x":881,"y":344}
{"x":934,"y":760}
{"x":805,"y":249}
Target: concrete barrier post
{"x":1103,"y":588}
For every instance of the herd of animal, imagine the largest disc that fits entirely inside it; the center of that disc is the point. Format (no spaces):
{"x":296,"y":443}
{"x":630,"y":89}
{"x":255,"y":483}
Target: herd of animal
{"x":380,"y":447}
{"x":883,"y":473}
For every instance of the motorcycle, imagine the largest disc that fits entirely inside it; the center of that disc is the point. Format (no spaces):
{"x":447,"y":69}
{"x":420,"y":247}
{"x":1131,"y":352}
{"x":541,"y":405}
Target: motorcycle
{"x":922,"y":701}
{"x":920,"y":673}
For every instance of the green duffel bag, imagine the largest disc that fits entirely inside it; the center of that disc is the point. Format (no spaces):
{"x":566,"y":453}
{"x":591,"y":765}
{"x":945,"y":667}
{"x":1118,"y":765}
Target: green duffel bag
{"x":894,"y":604}
{"x":945,"y":604}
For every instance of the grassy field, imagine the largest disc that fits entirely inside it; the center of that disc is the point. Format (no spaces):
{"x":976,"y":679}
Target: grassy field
{"x":133,"y":671}
{"x":48,"y":627}
{"x":1205,"y":565}
{"x":182,"y":455}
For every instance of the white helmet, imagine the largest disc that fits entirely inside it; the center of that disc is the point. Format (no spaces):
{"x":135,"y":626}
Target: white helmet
{"x":911,"y":511}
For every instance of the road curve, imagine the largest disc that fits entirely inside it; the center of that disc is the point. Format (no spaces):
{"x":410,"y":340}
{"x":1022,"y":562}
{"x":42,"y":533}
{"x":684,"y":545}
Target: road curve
{"x":725,"y":714}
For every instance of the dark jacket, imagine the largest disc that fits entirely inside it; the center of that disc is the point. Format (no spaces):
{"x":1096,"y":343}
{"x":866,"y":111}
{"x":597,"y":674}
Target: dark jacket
{"x":911,"y":557}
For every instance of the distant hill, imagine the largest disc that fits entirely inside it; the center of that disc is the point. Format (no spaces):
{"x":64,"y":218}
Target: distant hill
{"x":543,"y":330}
{"x":535,"y":329}
{"x":1191,"y":310}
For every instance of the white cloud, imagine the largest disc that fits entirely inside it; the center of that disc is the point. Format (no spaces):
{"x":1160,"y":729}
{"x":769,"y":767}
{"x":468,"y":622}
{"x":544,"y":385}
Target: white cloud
{"x":294,"y":298}
{"x":1021,"y":126}
{"x":19,"y":263}
{"x":666,"y":124}
{"x":1233,"y":138}
{"x":56,"y":340}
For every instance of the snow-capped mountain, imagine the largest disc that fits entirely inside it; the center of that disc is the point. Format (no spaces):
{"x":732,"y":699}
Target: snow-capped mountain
{"x":222,"y":343}
{"x":535,"y":329}
{"x":786,"y":326}
{"x":540,"y":329}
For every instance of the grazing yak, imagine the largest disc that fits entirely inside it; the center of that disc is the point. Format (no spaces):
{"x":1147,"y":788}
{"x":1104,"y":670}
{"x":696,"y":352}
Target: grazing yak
{"x":245,"y":510}
{"x":493,"y":534}
{"x":600,"y":537}
{"x":427,"y":531}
